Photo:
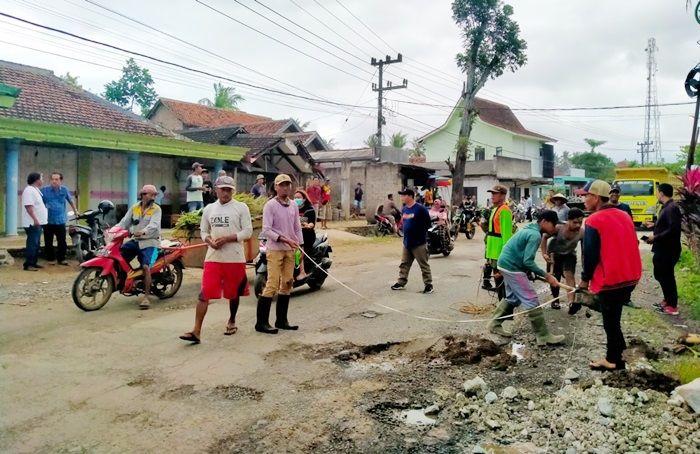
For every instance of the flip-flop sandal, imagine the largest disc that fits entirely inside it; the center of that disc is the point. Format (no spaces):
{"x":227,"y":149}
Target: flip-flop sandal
{"x":231,"y":330}
{"x":190,"y":337}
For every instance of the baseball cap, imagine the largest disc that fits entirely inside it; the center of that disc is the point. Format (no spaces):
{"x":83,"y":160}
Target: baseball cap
{"x":499,"y":188}
{"x":260,"y":177}
{"x":596,"y":187}
{"x":408,"y":192}
{"x":615,"y":188}
{"x":225,"y":182}
{"x":282,"y":178}
{"x":197,"y":164}
{"x":549,"y":216}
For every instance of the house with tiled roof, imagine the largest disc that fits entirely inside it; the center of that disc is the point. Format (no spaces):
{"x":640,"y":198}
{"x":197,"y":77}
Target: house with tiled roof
{"x":179,"y":115}
{"x":103,"y":151}
{"x":521,"y":159}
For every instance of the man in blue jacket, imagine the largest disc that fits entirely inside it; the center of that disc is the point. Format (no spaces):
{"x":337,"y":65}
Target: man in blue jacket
{"x":517,"y":259}
{"x":416,"y":222}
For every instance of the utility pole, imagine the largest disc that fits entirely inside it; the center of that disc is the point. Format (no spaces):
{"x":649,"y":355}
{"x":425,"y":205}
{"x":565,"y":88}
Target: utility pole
{"x":380,"y":88}
{"x":652,"y":129}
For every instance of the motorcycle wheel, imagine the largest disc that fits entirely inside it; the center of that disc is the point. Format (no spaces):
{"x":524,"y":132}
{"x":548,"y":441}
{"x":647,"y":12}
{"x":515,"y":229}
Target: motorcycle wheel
{"x":446,"y":253}
{"x":470,"y":232}
{"x":259,"y":285}
{"x":169,"y":283}
{"x":79,"y":248}
{"x":92,"y":291}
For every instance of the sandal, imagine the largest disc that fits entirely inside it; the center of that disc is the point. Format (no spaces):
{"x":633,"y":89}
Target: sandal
{"x":231,"y":330}
{"x":190,"y":337}
{"x":606,"y":366}
{"x":556,"y":305}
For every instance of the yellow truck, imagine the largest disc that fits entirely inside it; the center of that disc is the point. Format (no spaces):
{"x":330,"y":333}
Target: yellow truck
{"x":638,"y":189}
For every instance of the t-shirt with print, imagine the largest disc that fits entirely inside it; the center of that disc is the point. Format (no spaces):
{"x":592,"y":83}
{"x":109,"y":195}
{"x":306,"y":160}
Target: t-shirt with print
{"x":219,"y":220}
{"x":31,"y":196}
{"x":416,"y":222}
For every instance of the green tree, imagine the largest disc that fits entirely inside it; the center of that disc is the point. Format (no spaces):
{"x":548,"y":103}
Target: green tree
{"x":593,"y":143}
{"x":224,"y":98}
{"x":398,"y":139}
{"x":371,"y":141}
{"x":492,"y":45}
{"x":563,"y":162}
{"x":134,"y":88}
{"x":596,"y":165}
{"x":71,"y":80}
{"x":302,"y":124}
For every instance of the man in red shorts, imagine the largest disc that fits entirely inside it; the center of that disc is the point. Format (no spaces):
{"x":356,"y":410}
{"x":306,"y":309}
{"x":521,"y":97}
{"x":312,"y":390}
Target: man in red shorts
{"x":226,"y":224}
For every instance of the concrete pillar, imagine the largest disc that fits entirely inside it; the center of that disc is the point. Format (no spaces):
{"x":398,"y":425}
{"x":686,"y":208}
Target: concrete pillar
{"x":218,"y":166}
{"x":345,"y":188}
{"x":133,"y":178}
{"x":11,"y":186}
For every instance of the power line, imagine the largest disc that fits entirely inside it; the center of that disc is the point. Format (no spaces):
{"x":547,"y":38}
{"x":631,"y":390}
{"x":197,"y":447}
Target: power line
{"x":547,"y":109}
{"x":351,"y":29}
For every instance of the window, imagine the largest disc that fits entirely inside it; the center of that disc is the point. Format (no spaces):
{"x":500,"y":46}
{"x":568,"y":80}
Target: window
{"x":479,"y":154}
{"x":499,"y":151}
{"x":632,"y":187}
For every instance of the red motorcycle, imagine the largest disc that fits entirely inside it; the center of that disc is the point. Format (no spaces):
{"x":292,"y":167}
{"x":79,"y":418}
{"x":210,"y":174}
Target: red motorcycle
{"x":108,"y":271}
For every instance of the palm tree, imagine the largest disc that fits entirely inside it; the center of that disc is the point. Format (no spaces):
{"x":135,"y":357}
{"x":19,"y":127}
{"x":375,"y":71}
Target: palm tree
{"x":398,"y":139}
{"x":417,"y":153}
{"x":593,"y":143}
{"x":371,"y":141}
{"x":224,"y":98}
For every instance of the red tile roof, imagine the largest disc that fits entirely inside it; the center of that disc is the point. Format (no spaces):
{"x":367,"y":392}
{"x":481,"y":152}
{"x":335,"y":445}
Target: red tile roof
{"x":45,"y":97}
{"x":501,"y":116}
{"x":267,"y":127}
{"x":198,"y":116}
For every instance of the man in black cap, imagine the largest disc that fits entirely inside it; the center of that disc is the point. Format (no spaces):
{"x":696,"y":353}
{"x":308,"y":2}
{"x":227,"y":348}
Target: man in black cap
{"x":615,"y":200}
{"x":416,"y":222}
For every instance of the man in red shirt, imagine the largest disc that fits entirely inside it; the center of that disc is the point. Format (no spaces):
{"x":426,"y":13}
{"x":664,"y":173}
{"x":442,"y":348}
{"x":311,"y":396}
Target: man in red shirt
{"x":315,"y":193}
{"x":612,"y":266}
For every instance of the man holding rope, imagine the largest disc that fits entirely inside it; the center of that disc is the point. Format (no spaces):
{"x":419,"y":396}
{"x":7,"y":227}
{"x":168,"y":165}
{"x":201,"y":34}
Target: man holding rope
{"x":516,"y":260}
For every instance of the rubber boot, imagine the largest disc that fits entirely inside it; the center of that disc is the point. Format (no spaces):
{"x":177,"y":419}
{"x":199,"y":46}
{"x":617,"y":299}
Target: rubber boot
{"x":539,"y":325}
{"x":262,"y":325}
{"x":281,"y":309}
{"x":486,"y":283}
{"x":496,"y":326}
{"x":500,"y":286}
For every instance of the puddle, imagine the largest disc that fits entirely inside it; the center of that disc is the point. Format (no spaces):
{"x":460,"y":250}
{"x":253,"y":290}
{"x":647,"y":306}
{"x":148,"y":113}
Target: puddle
{"x":416,"y":418}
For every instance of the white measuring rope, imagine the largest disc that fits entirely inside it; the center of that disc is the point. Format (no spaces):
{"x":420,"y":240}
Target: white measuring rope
{"x":431,"y":319}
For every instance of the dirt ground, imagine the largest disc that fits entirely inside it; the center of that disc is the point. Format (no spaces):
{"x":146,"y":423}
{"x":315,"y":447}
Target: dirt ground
{"x":120,"y":380}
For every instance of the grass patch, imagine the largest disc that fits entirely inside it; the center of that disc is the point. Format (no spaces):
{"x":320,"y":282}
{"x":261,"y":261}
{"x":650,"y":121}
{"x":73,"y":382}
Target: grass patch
{"x":685,"y":368}
{"x":688,"y":279}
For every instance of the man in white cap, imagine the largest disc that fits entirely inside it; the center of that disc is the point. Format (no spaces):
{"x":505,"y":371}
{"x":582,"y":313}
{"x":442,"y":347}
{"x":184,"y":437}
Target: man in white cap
{"x":258,"y":189}
{"x":195,"y":188}
{"x":143,"y":222}
{"x":282,"y":228}
{"x":226,"y":224}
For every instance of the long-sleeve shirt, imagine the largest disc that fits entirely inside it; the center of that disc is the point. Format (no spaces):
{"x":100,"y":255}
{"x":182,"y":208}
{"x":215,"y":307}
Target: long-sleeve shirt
{"x":219,"y":220}
{"x":519,"y":253}
{"x":281,"y":220}
{"x":55,"y":200}
{"x":147,"y":221}
{"x":667,"y":231}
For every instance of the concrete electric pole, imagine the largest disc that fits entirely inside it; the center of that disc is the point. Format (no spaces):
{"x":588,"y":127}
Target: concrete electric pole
{"x":380,"y":88}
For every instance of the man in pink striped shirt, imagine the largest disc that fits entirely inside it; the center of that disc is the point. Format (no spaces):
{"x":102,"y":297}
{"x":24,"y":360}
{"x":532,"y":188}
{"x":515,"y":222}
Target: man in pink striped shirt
{"x":282,"y":229}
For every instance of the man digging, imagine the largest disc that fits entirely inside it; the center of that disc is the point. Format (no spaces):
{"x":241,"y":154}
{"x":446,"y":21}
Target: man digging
{"x":516,"y":260}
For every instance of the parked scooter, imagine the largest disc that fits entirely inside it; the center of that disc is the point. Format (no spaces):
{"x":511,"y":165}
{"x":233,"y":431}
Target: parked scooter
{"x":109,"y":272}
{"x":87,"y":240}
{"x":439,"y":240}
{"x":315,"y":276}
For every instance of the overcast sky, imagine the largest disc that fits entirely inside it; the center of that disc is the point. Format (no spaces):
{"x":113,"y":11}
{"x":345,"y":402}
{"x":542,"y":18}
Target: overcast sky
{"x":580,"y":53}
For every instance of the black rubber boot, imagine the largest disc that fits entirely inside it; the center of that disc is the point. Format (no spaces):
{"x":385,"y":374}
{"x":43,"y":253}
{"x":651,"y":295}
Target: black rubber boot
{"x":262,"y":325}
{"x":281,"y":309}
{"x":486,"y":283}
{"x":500,"y":287}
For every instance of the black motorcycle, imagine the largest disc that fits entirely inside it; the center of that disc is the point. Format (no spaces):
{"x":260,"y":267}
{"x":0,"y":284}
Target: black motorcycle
{"x":315,"y":276}
{"x":439,"y":240}
{"x":465,"y":221}
{"x":88,"y":239}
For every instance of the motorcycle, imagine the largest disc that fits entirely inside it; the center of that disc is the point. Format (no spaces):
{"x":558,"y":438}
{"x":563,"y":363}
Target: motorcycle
{"x":384,"y":226}
{"x":87,"y":240}
{"x":439,"y":240}
{"x":315,"y":275}
{"x":465,"y":221}
{"x":108,"y":272}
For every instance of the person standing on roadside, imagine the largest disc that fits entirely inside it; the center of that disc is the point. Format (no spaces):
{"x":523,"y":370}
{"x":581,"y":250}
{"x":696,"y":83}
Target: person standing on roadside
{"x":561,"y":252}
{"x":282,"y":228}
{"x":666,"y":247}
{"x":516,"y":261}
{"x":195,"y":188}
{"x":560,"y":207}
{"x":226,"y":224}
{"x":55,"y":197}
{"x":258,"y":189}
{"x":313,"y":189}
{"x":34,"y":216}
{"x":359,"y":194}
{"x":416,"y":222}
{"x":615,"y":200}
{"x":499,"y":229}
{"x":324,"y":211}
{"x":612,"y":266}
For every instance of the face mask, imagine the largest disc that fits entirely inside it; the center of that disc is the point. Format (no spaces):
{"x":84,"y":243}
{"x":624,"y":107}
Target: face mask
{"x":299,"y":202}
